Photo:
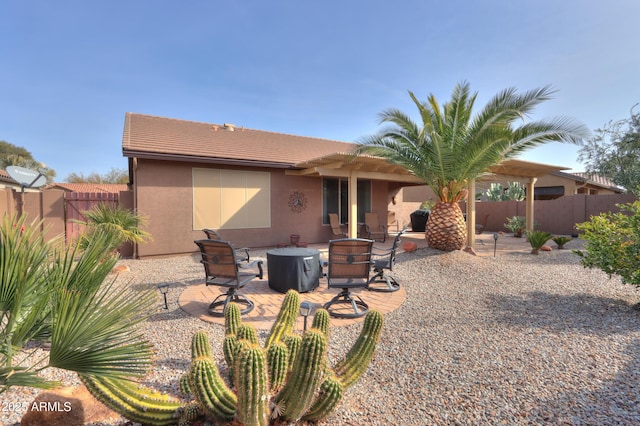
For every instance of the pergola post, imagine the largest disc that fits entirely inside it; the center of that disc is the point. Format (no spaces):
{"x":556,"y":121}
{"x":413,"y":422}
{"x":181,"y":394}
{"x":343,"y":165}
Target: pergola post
{"x":471,"y":215}
{"x":352,"y":230}
{"x":529,"y":203}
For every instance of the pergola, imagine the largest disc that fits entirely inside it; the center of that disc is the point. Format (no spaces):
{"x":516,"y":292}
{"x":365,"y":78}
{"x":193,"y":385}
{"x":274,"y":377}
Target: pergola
{"x":354,"y":167}
{"x":517,"y":168}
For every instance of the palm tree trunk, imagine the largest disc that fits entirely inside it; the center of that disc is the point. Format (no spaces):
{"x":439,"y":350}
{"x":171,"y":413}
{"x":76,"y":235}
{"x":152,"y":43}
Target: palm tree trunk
{"x":446,"y":229}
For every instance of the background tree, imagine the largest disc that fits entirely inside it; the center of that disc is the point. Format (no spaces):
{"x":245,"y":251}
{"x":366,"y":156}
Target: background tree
{"x":113,"y":176}
{"x":450,"y":147}
{"x":12,"y":155}
{"x":614,"y":152}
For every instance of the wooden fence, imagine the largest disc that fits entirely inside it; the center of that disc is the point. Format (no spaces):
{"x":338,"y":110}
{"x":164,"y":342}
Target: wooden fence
{"x":58,"y":210}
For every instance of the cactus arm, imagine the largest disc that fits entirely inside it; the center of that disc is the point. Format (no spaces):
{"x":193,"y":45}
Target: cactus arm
{"x":232,"y":318}
{"x":229,"y":349}
{"x":211,"y":391}
{"x":200,"y":346}
{"x":286,"y":320}
{"x":321,"y":321}
{"x":293,"y":342}
{"x":304,"y":379}
{"x":277,"y":361}
{"x":253,"y":387}
{"x":139,"y":404}
{"x":185,"y":387}
{"x":247,"y":332}
{"x":331,"y":391}
{"x":355,"y":363}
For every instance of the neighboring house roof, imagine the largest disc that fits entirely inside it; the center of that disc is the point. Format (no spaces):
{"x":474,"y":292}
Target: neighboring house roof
{"x":4,"y":176}
{"x":147,"y":136}
{"x":591,"y":179}
{"x":89,"y":187}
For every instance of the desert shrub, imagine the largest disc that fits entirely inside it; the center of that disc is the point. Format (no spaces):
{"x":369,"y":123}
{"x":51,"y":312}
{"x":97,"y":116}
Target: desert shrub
{"x":613,"y":243}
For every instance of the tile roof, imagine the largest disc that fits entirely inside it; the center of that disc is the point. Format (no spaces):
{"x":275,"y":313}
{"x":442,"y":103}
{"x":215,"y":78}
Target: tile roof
{"x":89,"y":187}
{"x":592,"y":179}
{"x":597,"y":179}
{"x":151,"y":137}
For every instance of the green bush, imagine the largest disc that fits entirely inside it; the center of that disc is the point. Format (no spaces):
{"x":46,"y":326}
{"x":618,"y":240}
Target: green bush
{"x":613,"y":243}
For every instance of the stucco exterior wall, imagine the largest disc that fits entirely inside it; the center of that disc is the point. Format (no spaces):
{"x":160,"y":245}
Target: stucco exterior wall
{"x":164,"y":195}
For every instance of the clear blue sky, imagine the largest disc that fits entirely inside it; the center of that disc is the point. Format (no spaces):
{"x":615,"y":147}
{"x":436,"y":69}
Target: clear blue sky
{"x":71,"y":69}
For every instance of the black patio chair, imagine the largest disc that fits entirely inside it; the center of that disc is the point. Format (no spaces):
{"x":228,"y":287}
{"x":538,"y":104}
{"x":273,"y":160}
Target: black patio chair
{"x":221,"y":268}
{"x":349,"y":266}
{"x":383,"y":260}
{"x":242,"y":253}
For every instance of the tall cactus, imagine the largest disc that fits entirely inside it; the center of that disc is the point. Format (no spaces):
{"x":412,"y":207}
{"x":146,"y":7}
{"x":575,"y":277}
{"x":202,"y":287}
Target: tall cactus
{"x":247,"y":332}
{"x":321,"y":321}
{"x":200,"y":346}
{"x":253,"y":387}
{"x":297,"y":394}
{"x":134,"y":402}
{"x":331,"y":391}
{"x":211,"y":391}
{"x":232,"y":318}
{"x":287,"y":316}
{"x":355,"y":363}
{"x":277,"y":361}
{"x":291,"y":374}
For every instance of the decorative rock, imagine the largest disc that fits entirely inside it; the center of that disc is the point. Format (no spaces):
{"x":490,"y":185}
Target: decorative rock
{"x":120,"y":268}
{"x":545,"y":248}
{"x":409,"y":246}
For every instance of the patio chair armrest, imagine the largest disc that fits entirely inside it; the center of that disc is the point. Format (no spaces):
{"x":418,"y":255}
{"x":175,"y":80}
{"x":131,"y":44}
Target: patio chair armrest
{"x":376,"y":251}
{"x":252,"y":265}
{"x":245,"y":256}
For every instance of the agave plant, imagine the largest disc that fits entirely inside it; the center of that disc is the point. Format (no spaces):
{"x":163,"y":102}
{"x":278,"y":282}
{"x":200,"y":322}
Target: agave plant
{"x":451,"y":147}
{"x":57,"y":294}
{"x":537,"y":239}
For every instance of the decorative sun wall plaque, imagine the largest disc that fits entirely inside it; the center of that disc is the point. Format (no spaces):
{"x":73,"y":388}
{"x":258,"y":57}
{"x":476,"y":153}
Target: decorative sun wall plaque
{"x":297,"y":201}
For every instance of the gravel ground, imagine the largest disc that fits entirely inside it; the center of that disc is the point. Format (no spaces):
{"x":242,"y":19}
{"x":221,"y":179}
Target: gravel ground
{"x":516,"y":339}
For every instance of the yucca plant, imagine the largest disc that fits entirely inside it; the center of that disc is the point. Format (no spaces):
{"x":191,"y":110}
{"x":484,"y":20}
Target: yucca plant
{"x":537,"y":239}
{"x":57,"y":294}
{"x":452,"y":146}
{"x":561,"y":240}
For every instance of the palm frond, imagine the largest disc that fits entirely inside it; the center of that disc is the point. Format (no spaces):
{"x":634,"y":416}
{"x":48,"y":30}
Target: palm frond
{"x":21,"y":376}
{"x":97,"y":335}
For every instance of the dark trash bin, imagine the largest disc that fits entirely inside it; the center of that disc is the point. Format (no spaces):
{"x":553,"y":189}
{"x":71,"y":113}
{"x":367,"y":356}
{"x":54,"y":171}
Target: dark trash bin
{"x":419,"y":220}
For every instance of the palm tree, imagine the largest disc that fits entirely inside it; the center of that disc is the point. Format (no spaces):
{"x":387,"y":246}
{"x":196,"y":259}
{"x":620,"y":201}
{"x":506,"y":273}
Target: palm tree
{"x":453,"y":147}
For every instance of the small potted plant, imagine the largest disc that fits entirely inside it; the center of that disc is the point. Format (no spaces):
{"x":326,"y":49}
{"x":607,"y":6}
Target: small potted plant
{"x":516,"y":224}
{"x":537,"y":239}
{"x":561,"y":240}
